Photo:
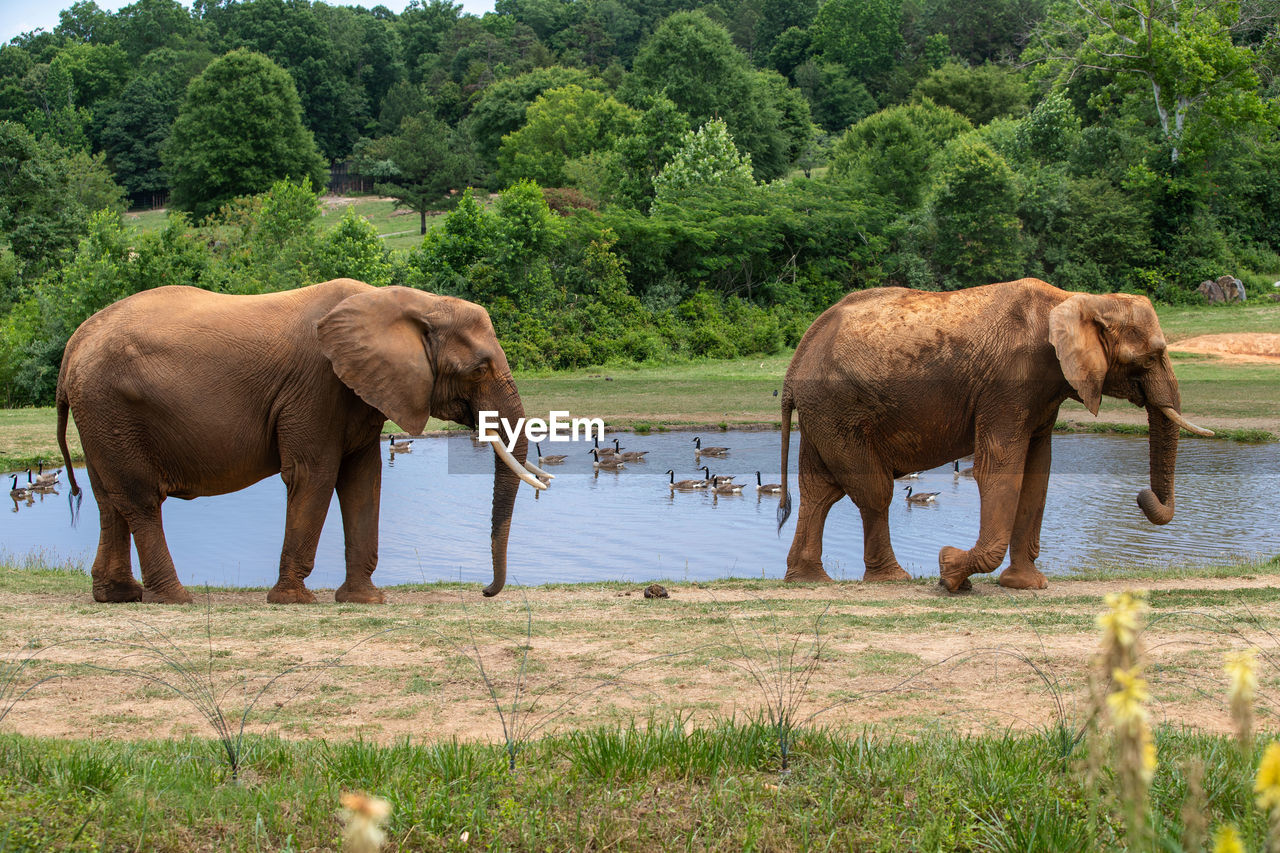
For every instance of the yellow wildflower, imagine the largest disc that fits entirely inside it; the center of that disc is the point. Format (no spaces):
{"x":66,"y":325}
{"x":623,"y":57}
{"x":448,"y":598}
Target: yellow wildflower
{"x":1149,"y":760}
{"x":1267,"y":785}
{"x":363,"y":816}
{"x":1227,"y":840}
{"x":1119,"y":623}
{"x":1126,"y":703}
{"x":1241,"y":668}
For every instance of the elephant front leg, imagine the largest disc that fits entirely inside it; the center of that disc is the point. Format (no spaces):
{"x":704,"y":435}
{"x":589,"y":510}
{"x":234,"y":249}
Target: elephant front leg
{"x":999,"y":487}
{"x":1024,"y":547}
{"x":308,"y":504}
{"x":359,"y":487}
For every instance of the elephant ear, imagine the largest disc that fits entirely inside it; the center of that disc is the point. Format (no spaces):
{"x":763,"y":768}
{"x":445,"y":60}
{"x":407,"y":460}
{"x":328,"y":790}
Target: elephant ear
{"x":1075,"y":330}
{"x":377,"y":344}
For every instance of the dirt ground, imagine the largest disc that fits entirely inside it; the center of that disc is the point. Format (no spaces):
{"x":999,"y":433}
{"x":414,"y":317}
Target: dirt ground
{"x":1252,"y":348}
{"x":907,"y":656}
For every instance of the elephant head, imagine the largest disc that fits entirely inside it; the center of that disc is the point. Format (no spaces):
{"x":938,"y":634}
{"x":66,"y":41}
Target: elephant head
{"x":1113,"y":345}
{"x":411,"y":355}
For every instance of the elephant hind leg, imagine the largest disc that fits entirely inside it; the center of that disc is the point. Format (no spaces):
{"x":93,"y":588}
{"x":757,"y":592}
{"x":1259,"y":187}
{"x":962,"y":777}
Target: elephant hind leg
{"x":818,"y":493}
{"x":112,"y":571}
{"x":160,"y":582}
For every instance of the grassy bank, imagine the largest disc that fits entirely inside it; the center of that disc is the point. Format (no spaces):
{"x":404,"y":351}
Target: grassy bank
{"x":912,"y":719}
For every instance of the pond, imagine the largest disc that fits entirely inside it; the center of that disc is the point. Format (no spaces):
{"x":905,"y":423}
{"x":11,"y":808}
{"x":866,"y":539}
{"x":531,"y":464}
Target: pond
{"x":628,"y":525}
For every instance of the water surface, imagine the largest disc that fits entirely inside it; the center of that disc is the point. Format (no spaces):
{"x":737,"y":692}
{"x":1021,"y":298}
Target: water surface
{"x":629,"y":526}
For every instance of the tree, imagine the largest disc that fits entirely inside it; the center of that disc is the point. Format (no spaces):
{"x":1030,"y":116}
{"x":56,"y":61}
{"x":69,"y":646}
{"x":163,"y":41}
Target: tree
{"x":707,"y":158}
{"x":239,"y":130}
{"x":889,"y":153}
{"x":560,"y":125}
{"x":979,"y":94}
{"x":861,"y":35}
{"x":972,"y":204}
{"x":501,"y":108}
{"x":419,"y":165}
{"x":1180,"y":51}
{"x":692,"y":61}
{"x":41,"y":216}
{"x":642,"y":155}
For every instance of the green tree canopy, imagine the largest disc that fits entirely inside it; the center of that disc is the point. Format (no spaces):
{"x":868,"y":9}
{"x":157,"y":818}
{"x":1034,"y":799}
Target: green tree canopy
{"x":980,"y":94}
{"x":560,"y":125}
{"x":861,"y":35}
{"x":707,"y":158}
{"x":239,"y":130}
{"x":972,"y":203}
{"x":889,"y":152}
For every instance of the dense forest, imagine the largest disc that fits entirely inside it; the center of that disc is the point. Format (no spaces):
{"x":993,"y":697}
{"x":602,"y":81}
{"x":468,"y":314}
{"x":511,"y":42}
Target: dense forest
{"x":627,"y":180}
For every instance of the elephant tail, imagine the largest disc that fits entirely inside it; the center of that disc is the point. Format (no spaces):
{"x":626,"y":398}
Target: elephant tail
{"x":75,"y":496}
{"x":784,"y":505}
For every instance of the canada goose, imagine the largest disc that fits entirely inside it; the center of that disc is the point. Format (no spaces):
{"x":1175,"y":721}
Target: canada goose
{"x":609,"y":463}
{"x":555,"y":459}
{"x":685,"y":485}
{"x":699,"y":450}
{"x":605,"y":452}
{"x":16,"y":493}
{"x":922,"y":497}
{"x":957,"y":473}
{"x":728,"y":489}
{"x":767,"y":488}
{"x":630,"y":455}
{"x":717,"y":479}
{"x":43,"y":479}
{"x":405,"y":445}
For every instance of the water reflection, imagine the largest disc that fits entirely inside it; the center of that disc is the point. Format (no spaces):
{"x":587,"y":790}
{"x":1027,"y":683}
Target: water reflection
{"x":628,"y":524}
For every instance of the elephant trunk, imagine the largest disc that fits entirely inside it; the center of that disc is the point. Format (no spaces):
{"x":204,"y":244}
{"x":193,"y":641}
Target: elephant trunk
{"x":1157,"y":501}
{"x":505,"y":484}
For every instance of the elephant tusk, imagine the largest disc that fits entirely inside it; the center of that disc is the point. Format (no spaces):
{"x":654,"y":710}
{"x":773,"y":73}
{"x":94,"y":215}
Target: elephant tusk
{"x":514,"y":465}
{"x":538,"y":472}
{"x":1173,"y":415}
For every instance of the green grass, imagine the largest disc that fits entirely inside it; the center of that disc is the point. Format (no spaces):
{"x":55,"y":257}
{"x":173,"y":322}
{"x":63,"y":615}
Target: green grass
{"x":634,"y":786}
{"x":1187,"y":321}
{"x":398,"y":227}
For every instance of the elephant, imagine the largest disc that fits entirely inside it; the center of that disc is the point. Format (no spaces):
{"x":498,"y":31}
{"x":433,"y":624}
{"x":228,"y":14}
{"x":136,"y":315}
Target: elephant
{"x":891,"y":380}
{"x":181,"y":392}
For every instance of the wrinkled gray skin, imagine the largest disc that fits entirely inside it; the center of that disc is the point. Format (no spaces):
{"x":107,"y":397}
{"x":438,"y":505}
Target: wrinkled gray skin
{"x":178,"y":392}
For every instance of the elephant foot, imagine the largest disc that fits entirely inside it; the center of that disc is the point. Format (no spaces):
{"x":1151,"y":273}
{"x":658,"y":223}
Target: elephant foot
{"x":114,"y":591}
{"x":807,"y":571}
{"x":885,"y":575}
{"x":173,"y":595}
{"x":952,"y":572}
{"x":1029,"y":578}
{"x":362,"y":594}
{"x":290,"y":595}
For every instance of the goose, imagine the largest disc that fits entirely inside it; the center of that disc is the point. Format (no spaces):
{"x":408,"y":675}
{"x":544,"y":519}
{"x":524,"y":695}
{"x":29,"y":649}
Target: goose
{"x":957,"y":473}
{"x":685,"y":485}
{"x":922,"y":497}
{"x":605,"y":452}
{"x":629,"y":455}
{"x":43,"y":479}
{"x":609,"y":463}
{"x":767,"y":488}
{"x":405,"y":445}
{"x":718,"y":479}
{"x":555,"y":459}
{"x":699,"y":450}
{"x":16,"y":493}
{"x":728,"y":489}
{"x":42,"y":487}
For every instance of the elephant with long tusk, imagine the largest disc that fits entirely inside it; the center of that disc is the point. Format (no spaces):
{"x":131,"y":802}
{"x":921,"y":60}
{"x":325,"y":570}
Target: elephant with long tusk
{"x":178,"y":392}
{"x":889,"y":381}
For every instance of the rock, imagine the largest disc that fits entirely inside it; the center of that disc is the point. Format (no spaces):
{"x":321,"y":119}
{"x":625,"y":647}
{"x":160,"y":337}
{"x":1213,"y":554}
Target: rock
{"x":1211,"y":292}
{"x":1232,"y":288}
{"x":656,"y":590}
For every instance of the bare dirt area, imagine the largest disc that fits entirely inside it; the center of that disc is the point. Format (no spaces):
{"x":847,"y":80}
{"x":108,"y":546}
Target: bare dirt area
{"x":906,"y":655}
{"x":1242,"y":348}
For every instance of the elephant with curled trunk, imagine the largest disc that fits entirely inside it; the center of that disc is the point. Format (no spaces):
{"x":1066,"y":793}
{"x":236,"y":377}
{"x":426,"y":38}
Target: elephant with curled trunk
{"x":178,"y":392}
{"x":890,"y":381}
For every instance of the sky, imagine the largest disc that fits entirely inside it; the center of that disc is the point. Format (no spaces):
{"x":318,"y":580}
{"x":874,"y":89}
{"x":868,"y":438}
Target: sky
{"x":20,"y":16}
